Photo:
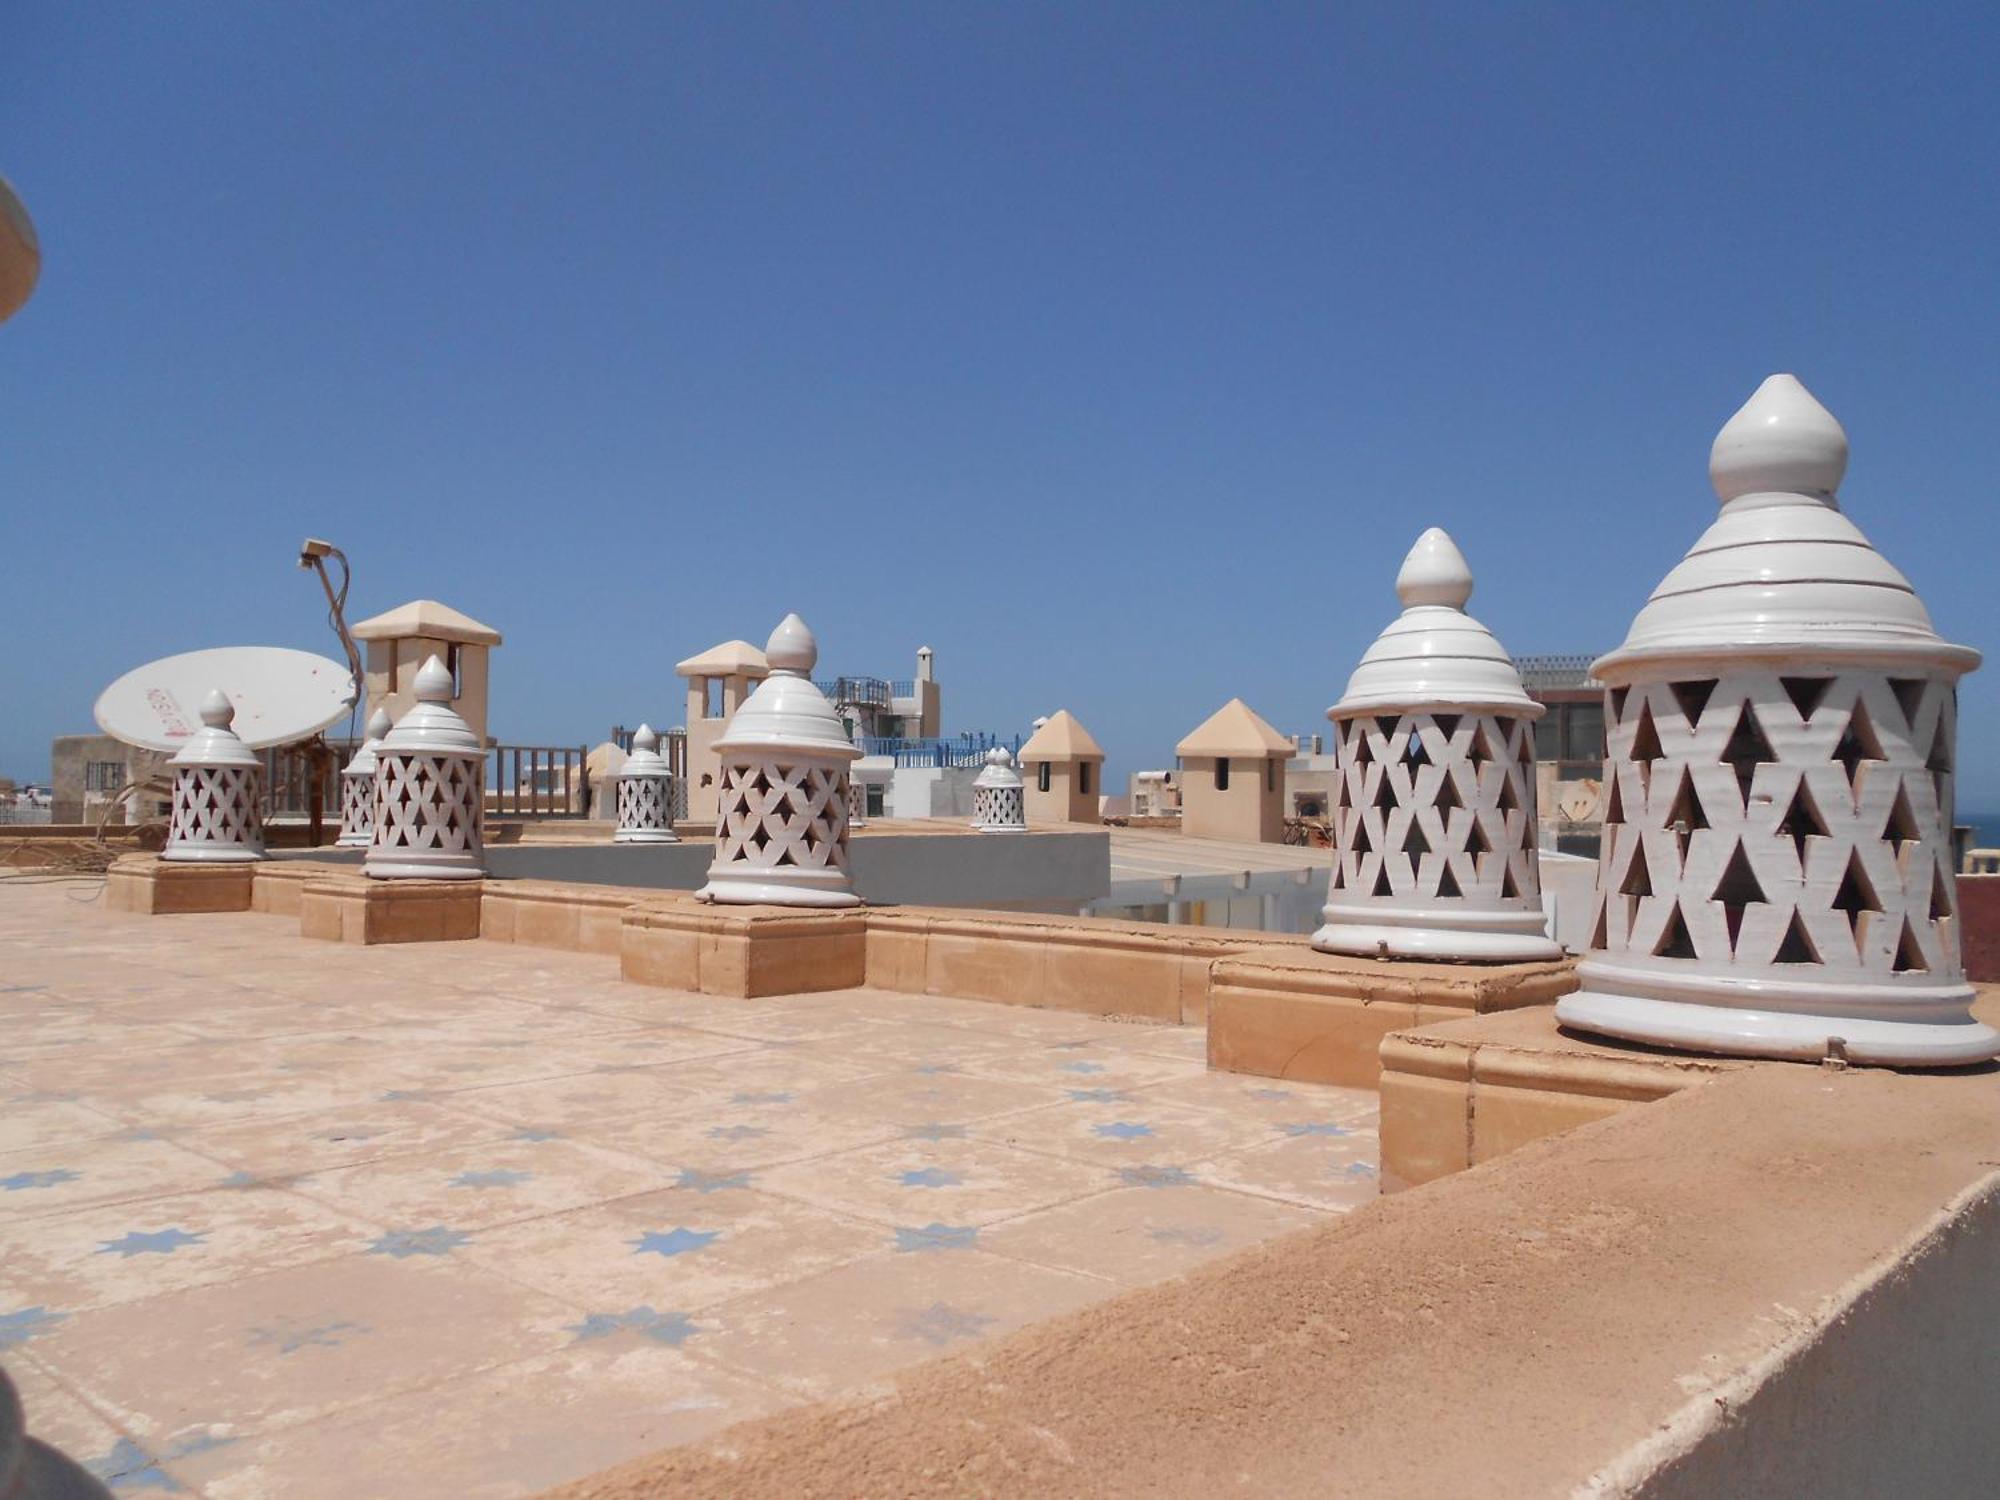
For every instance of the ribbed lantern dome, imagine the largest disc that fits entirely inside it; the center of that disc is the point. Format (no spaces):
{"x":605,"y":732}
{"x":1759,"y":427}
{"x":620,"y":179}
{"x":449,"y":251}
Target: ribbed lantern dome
{"x":216,"y":743}
{"x":216,"y":817}
{"x":1781,"y":568}
{"x":1434,"y":653}
{"x":786,"y":711}
{"x":432,"y":724}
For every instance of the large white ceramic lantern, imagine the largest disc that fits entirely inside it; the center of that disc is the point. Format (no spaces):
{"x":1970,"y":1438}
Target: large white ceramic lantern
{"x":999,"y":799}
{"x":781,"y":833}
{"x":1776,"y":876}
{"x":357,"y":788}
{"x":1434,"y":800}
{"x":645,"y":794}
{"x":429,"y":775}
{"x":217,"y":787}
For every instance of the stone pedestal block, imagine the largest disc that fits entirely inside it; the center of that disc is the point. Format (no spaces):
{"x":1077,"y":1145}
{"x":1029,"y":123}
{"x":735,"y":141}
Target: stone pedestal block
{"x":1321,"y":1017}
{"x":152,"y":887}
{"x":356,"y":909}
{"x":743,"y":951}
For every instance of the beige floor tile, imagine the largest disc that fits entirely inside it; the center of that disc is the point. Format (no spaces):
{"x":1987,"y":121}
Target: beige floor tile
{"x":1272,"y":1099}
{"x":293,"y":1346}
{"x":1318,"y":1171}
{"x":56,"y":1416}
{"x":855,"y":1325}
{"x":1113,"y":1128}
{"x":111,"y":1169}
{"x":282,"y":1149}
{"x":677,"y":1251}
{"x":474,"y":1186}
{"x":30,"y":1119}
{"x":913,"y":1183}
{"x":1085,"y":1064}
{"x":1141,"y":1235}
{"x":731,"y":1137}
{"x":112,"y":1253}
{"x":954,"y":1095}
{"x":507,"y":1432}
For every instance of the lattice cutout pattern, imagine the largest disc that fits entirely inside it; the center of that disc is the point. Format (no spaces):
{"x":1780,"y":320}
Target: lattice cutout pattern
{"x":1781,"y":821}
{"x":427,"y":802}
{"x":999,"y":807}
{"x":783,"y":816}
{"x":644,"y":802}
{"x":357,"y":808}
{"x":857,"y":800}
{"x":1436,"y":807}
{"x":216,"y":805}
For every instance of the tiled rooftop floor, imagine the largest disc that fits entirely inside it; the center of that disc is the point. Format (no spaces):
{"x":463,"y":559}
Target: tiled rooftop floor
{"x":292,"y":1219}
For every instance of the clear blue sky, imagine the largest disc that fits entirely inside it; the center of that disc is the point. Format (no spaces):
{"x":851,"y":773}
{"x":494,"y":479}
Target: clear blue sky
{"x":1117,"y":352}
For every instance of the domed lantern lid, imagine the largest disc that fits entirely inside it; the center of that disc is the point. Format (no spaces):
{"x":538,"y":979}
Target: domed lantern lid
{"x":363,"y":763}
{"x":644,"y":758}
{"x":999,"y":771}
{"x":432,"y":724}
{"x":215,"y":743}
{"x":1781,"y":570}
{"x":1434,"y":654}
{"x":785,"y":711}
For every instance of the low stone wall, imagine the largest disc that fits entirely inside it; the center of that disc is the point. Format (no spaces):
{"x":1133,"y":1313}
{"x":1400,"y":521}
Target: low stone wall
{"x":744,"y":951}
{"x":355,"y":909}
{"x":553,"y":914}
{"x":153,"y":887}
{"x":1321,"y":1017}
{"x":1979,"y":927}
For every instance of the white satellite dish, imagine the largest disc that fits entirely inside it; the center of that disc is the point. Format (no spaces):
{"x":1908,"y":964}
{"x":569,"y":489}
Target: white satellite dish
{"x":281,"y":696}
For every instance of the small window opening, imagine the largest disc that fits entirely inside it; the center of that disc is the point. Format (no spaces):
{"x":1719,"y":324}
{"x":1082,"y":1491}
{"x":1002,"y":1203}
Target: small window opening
{"x":1222,"y":775}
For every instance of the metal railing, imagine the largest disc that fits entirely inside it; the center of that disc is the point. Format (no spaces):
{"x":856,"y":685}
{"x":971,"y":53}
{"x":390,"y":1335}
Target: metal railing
{"x":955,"y":751}
{"x":903,"y":687}
{"x":536,"y":781}
{"x":673,"y":745}
{"x":288,"y":778}
{"x":857,"y":692}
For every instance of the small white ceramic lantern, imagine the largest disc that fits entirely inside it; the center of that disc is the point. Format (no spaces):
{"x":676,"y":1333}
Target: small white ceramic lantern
{"x":429,"y":774}
{"x":1775,"y":878}
{"x":781,"y":835}
{"x":217,"y":785}
{"x":1434,"y":800}
{"x":999,"y":800}
{"x":357,"y":788}
{"x":645,"y":794}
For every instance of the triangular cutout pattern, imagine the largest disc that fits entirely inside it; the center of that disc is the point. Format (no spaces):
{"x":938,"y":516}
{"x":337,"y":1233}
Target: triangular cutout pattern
{"x":1600,"y":935}
{"x":1448,"y":884}
{"x":1909,"y":693}
{"x":1856,"y":896}
{"x":1480,"y":751}
{"x":1685,"y":813}
{"x":1738,"y":888}
{"x":1447,"y":799}
{"x":1509,"y":891}
{"x":1797,"y":946}
{"x":1617,"y":697}
{"x":1909,"y":953}
{"x":1638,"y":879}
{"x":1414,"y":842}
{"x":1940,"y":894}
{"x":1802,"y":820}
{"x":1674,"y":940}
{"x":1475,"y":842}
{"x":1902,"y":827}
{"x":1385,"y":791}
{"x":1693,"y":698}
{"x":1382,"y":886}
{"x":1614,"y":803}
{"x":1646,"y":738}
{"x":1447,"y":724}
{"x":1857,"y":743}
{"x":1806,"y":693}
{"x":1747,"y":749}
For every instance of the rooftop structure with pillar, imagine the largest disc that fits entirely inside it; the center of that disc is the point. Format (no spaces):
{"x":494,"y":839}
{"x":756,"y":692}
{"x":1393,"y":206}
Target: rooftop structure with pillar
{"x":1232,"y":777}
{"x":399,"y":641}
{"x":718,"y":681}
{"x":1064,"y":767}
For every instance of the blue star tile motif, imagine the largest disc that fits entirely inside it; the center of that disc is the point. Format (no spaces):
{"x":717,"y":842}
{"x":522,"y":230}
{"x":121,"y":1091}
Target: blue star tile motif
{"x":937,"y":1237}
{"x":930,"y":1069}
{"x":1313,"y":1127}
{"x":1271,"y":1094}
{"x":936,"y":1132}
{"x":129,"y":1467}
{"x":1175,"y":1234}
{"x":711,"y":1182}
{"x":403,"y":1243}
{"x":1123,"y":1130}
{"x":940,"y":1323}
{"x":1082,"y":1067}
{"x":1155,"y":1177}
{"x":931,"y":1177}
{"x":239,"y":1179}
{"x":1098,"y":1096}
{"x":679,"y":1241}
{"x":737,"y":1133}
{"x":137,"y":1133}
{"x":150,"y":1242}
{"x":1360,"y":1169}
{"x":776,"y":1098}
{"x":19,"y":1326}
{"x":498,"y":1177}
{"x":22,"y":1182}
{"x":528,"y":1133}
{"x":23,"y":989}
{"x":662,"y":1328}
{"x":290,"y":1338}
{"x":1067,"y":1046}
{"x":406,"y":1096}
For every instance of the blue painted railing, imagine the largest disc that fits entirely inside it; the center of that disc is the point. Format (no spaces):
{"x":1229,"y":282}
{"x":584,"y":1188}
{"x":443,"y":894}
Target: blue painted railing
{"x":955,"y":750}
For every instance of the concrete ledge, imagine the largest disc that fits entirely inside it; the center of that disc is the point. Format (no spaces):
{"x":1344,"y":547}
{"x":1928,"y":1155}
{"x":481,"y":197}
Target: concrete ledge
{"x":552,"y":914}
{"x":153,"y":887}
{"x":280,"y":885}
{"x":355,"y":909}
{"x":743,"y":951}
{"x":1466,"y":1091}
{"x":1321,"y":1017}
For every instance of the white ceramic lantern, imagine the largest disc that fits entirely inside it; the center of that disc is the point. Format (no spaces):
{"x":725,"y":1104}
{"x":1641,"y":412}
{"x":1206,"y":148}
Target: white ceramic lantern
{"x":1776,"y":878}
{"x":999,"y":800}
{"x":217,"y":786}
{"x":781,"y":834}
{"x":429,"y":773}
{"x":1434,"y":798}
{"x":645,"y":794}
{"x":357,"y":788}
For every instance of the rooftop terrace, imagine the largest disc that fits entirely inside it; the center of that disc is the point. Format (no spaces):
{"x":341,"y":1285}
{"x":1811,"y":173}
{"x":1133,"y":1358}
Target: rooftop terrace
{"x":472,"y":1219}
